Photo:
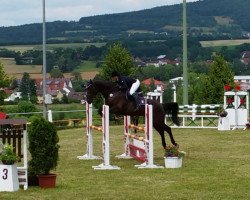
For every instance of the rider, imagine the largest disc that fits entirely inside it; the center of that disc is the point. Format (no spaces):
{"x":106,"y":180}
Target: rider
{"x":131,"y":84}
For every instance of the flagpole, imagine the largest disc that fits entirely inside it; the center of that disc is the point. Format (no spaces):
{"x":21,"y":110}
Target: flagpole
{"x":185,"y":71}
{"x":44,"y":64}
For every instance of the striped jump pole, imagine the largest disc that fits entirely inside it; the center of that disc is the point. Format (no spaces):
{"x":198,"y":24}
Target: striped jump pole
{"x":140,"y":148}
{"x":105,"y":139}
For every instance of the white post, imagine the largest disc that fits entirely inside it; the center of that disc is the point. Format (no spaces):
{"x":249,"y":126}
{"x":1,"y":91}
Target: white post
{"x":105,"y":142}
{"x":174,"y":89}
{"x":25,"y":155}
{"x":50,"y":118}
{"x":89,"y":135}
{"x":24,"y":169}
{"x":126,"y":154}
{"x":194,"y":111}
{"x":105,"y":135}
{"x":148,"y":143}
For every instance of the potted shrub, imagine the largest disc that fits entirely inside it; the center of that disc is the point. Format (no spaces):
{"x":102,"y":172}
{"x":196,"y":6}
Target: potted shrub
{"x":43,"y":147}
{"x":173,"y":157}
{"x":7,"y":156}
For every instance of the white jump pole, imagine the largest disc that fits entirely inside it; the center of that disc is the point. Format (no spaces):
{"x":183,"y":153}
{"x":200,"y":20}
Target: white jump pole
{"x":89,"y":152}
{"x":105,"y":142}
{"x":149,"y":144}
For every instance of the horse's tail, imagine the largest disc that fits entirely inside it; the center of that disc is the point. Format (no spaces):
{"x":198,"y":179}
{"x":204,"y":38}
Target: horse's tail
{"x":172,"y":109}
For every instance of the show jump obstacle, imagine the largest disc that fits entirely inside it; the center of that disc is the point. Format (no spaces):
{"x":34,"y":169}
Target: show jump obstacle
{"x":236,"y":105}
{"x":14,"y":132}
{"x":140,"y":148}
{"x":105,"y":139}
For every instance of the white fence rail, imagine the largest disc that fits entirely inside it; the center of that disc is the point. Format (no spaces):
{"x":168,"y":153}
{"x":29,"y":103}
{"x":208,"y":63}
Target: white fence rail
{"x":195,"y":121}
{"x":191,"y":116}
{"x":197,"y":116}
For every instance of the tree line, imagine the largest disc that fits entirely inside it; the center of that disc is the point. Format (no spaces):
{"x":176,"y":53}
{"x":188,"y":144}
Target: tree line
{"x":153,"y":22}
{"x":67,"y":59}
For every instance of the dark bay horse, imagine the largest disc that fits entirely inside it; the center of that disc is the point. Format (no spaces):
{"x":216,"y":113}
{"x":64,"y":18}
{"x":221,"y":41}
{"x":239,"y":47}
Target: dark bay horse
{"x":120,"y":105}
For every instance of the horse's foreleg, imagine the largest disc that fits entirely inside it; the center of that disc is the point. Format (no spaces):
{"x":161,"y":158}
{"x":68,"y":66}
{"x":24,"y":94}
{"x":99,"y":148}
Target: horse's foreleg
{"x":100,"y":111}
{"x":135,"y":120}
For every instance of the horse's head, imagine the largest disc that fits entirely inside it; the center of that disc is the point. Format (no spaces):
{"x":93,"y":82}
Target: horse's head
{"x":90,"y":91}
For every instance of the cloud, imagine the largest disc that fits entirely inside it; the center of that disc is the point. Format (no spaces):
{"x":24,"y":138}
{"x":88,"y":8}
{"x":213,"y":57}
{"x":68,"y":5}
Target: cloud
{"x":17,"y":12}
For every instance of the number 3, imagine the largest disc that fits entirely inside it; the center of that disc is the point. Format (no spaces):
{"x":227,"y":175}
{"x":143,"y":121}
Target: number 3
{"x":5,"y":171}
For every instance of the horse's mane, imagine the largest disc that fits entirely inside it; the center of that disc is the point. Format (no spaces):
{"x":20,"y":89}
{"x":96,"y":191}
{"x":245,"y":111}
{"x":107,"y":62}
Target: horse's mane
{"x":105,"y":85}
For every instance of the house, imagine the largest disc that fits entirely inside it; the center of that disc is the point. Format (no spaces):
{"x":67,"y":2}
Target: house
{"x":162,"y":60}
{"x":139,"y":62}
{"x":153,"y":62}
{"x":27,"y":60}
{"x":157,"y":84}
{"x":14,"y":96}
{"x":54,"y":84}
{"x":54,"y":87}
{"x":173,"y":80}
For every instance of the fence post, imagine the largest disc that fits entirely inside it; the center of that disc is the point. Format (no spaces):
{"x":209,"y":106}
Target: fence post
{"x":194,"y":111}
{"x":50,"y":118}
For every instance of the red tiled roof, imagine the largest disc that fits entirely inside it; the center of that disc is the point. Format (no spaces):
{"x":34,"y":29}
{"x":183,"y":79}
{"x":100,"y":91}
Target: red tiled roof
{"x":156,"y":82}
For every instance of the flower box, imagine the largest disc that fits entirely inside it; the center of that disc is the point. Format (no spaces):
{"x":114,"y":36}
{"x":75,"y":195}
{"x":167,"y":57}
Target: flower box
{"x":173,"y":162}
{"x":8,"y":178}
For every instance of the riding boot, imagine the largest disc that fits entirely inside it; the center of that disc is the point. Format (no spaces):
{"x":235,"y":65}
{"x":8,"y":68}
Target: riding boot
{"x":136,"y":101}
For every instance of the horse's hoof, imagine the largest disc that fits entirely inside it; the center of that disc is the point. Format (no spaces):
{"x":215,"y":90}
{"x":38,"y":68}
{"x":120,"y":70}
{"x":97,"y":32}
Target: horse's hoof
{"x":177,"y":145}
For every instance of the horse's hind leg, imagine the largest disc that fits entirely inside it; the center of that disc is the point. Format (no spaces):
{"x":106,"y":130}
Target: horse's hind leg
{"x":169,"y":131}
{"x":161,"y":132}
{"x":161,"y":128}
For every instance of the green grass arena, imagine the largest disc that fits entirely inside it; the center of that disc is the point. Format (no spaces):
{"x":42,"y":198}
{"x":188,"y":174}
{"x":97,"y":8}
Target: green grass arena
{"x":216,"y":167}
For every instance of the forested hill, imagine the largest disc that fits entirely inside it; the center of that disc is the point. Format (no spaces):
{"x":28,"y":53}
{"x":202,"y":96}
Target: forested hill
{"x":206,"y":18}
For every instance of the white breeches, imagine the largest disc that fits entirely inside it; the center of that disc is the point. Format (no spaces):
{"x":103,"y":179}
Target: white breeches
{"x":134,"y":87}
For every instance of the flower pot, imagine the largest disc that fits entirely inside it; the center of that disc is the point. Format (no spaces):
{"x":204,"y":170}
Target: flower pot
{"x":8,"y":162}
{"x":47,"y":180}
{"x":173,"y":162}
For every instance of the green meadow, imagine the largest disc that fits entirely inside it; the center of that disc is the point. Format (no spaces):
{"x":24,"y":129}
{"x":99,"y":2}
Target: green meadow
{"x":216,"y":167}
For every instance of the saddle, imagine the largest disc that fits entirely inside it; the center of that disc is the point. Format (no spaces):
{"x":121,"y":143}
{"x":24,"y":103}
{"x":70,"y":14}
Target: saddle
{"x":141,"y":100}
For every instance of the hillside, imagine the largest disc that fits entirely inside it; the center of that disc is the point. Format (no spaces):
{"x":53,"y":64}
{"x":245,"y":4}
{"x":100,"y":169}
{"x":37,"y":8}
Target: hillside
{"x":211,"y":19}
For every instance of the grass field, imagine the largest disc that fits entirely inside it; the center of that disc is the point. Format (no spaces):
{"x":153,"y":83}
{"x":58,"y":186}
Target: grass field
{"x":87,"y":69}
{"x":215,"y":43}
{"x":23,"y":48}
{"x":216,"y":167}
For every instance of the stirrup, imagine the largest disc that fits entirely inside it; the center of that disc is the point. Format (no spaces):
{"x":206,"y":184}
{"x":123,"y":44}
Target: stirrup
{"x":137,"y":107}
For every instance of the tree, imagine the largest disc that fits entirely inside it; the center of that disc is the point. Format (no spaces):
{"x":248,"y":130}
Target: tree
{"x":4,"y":82}
{"x":28,"y":88}
{"x":25,"y":86}
{"x":25,"y":107}
{"x":56,"y":73}
{"x":219,"y":74}
{"x":77,"y":81}
{"x":118,"y":58}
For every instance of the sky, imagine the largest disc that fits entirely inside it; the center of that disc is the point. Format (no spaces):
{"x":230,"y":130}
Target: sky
{"x":18,"y":12}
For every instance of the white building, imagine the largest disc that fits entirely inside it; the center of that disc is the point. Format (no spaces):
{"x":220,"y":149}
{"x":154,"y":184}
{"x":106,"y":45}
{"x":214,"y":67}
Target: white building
{"x":13,"y":96}
{"x":244,"y":79}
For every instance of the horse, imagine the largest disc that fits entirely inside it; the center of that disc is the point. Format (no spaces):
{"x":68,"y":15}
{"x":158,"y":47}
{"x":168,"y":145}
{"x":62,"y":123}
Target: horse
{"x":119,"y":104}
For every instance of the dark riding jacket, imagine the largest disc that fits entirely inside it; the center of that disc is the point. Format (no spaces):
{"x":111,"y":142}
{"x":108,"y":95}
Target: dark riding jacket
{"x":126,"y":82}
